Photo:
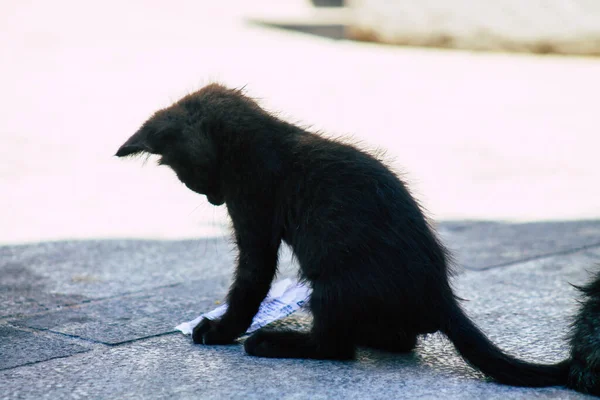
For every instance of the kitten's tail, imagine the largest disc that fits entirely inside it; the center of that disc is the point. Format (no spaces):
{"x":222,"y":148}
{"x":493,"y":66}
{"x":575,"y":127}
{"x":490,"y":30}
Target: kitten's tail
{"x":482,"y":354}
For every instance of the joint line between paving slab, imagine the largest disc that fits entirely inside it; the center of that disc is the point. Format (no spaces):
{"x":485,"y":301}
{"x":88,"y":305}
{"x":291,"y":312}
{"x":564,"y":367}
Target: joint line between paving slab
{"x":72,"y":336}
{"x":87,"y":349}
{"x":533,"y":258}
{"x":92,"y":301}
{"x":141,"y":338}
{"x":41,"y":361}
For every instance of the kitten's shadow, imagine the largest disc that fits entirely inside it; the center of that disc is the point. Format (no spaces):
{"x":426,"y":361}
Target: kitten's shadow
{"x":376,"y":357}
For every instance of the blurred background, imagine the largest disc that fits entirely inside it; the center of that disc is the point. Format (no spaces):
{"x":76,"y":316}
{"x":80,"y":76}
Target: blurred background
{"x":489,"y":110}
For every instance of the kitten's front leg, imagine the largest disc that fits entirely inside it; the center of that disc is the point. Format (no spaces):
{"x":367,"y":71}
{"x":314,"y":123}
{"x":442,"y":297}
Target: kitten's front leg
{"x":255,"y":271}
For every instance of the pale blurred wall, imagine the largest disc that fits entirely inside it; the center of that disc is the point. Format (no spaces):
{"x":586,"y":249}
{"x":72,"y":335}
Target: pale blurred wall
{"x":549,"y":26}
{"x":478,"y":136}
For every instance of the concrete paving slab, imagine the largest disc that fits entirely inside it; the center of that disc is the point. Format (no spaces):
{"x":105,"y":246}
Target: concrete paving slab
{"x":128,"y":318}
{"x":482,"y":245}
{"x":47,"y":276}
{"x":103,"y":268}
{"x":526,"y":308}
{"x":24,"y":292}
{"x":19,"y":347}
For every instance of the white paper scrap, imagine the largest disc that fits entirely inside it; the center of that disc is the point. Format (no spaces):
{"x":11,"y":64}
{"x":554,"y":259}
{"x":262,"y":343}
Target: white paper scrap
{"x":284,"y":298}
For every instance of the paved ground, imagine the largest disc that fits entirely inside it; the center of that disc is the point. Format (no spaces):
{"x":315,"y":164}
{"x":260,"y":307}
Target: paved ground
{"x":89,"y":291}
{"x":94,"y":319}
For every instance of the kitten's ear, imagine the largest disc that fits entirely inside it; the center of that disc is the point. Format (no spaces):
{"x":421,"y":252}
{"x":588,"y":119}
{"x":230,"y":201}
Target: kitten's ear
{"x":136,"y":144}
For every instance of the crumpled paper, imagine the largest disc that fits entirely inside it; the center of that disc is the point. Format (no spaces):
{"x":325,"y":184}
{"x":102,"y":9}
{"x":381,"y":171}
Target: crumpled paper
{"x":284,"y":298}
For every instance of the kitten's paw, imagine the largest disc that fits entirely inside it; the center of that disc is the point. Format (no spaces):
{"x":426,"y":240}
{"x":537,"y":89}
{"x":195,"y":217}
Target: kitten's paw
{"x":278,"y":344}
{"x":261,"y":344}
{"x":209,"y":332}
{"x":291,"y":344}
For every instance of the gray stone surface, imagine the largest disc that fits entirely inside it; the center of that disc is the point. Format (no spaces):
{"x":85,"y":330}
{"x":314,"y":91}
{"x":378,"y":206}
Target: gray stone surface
{"x":524,"y":306}
{"x":19,"y":347}
{"x":128,"y":318}
{"x":483,"y":245}
{"x":170,"y":367}
{"x":103,"y":268}
{"x":48,"y":276}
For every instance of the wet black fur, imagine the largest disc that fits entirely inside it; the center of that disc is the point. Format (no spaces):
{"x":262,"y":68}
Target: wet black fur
{"x":379,"y":274}
{"x":585,"y":342}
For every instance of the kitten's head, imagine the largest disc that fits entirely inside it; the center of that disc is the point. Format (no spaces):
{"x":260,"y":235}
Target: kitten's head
{"x":180,"y":135}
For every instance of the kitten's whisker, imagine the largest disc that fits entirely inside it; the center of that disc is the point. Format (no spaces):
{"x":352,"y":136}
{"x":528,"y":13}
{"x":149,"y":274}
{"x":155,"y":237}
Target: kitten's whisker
{"x":194,"y":210}
{"x":146,"y":158}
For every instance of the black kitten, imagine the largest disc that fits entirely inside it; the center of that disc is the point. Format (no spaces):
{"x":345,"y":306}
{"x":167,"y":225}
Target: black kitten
{"x":585,"y":342}
{"x":379,"y":274}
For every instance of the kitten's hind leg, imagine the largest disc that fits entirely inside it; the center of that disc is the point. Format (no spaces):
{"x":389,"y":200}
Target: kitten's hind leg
{"x":280,"y":344}
{"x":330,"y":338}
{"x":292,"y":344}
{"x":385,"y":339}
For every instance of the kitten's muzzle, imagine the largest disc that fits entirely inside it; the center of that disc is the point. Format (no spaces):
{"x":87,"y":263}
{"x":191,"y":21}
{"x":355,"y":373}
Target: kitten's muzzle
{"x":134,"y":146}
{"x":126,"y":150}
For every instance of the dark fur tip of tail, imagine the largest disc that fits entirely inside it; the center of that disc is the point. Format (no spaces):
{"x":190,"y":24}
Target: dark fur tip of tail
{"x":532,"y":375}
